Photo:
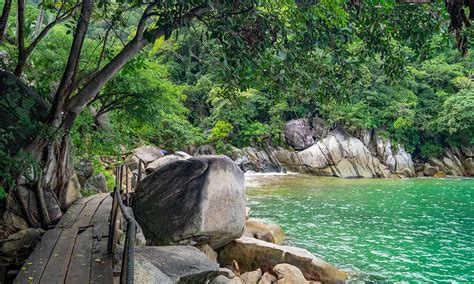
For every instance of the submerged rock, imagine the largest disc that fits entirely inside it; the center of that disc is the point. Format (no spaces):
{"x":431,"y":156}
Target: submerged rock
{"x":252,"y":254}
{"x":196,"y":201}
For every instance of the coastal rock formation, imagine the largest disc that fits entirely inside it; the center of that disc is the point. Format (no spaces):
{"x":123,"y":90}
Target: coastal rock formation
{"x":270,"y":233}
{"x":289,"y":274}
{"x":339,"y":154}
{"x":178,"y":203}
{"x":298,"y":134}
{"x":252,"y":254}
{"x":173,"y":264}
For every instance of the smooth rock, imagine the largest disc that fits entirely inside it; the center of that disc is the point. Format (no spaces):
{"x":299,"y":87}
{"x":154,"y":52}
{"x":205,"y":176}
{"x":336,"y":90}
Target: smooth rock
{"x":429,"y":170}
{"x":257,"y":229}
{"x":298,"y":134}
{"x":226,"y":272}
{"x":97,"y":183}
{"x":18,"y":246}
{"x":70,"y":194}
{"x":155,"y":165}
{"x":439,"y":175}
{"x":251,"y":254}
{"x":267,"y":278}
{"x":289,"y":274}
{"x":148,"y":153}
{"x":196,"y":201}
{"x":251,"y":277}
{"x":180,"y":264}
{"x":469,"y":165}
{"x":208,"y":251}
{"x":182,"y":155}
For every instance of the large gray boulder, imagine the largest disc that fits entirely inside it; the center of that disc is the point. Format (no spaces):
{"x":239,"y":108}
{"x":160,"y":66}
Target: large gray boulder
{"x":155,"y":165}
{"x":173,"y":264}
{"x":298,"y":133}
{"x":196,"y":201}
{"x":148,"y":153}
{"x":252,"y":254}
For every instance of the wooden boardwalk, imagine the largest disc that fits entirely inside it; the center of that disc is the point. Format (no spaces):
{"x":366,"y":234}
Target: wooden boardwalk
{"x":75,"y":251}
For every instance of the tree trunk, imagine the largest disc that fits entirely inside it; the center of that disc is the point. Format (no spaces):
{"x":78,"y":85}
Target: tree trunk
{"x":4,"y":18}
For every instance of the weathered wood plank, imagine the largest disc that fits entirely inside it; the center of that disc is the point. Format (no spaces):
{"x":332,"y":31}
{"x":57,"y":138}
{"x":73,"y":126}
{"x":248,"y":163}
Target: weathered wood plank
{"x":58,"y":264}
{"x":80,"y":265}
{"x":100,"y":221}
{"x":102,"y":265}
{"x":85,"y":217}
{"x":35,"y":264}
{"x":71,"y":214}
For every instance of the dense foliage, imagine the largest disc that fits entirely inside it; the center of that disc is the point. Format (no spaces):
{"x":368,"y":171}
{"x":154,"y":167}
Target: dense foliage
{"x":238,"y":78}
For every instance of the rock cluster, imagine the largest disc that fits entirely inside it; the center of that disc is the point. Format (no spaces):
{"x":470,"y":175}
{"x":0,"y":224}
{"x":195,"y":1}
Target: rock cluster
{"x":196,"y":208}
{"x":358,"y":153}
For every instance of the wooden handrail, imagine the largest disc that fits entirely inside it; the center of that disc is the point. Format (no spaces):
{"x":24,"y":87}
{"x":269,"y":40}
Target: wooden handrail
{"x":118,"y":207}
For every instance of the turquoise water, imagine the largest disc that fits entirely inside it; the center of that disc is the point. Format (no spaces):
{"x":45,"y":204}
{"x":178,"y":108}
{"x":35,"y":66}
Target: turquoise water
{"x":374,"y":229}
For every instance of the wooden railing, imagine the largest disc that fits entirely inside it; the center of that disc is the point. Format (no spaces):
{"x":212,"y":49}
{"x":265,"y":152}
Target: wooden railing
{"x":121,"y":195}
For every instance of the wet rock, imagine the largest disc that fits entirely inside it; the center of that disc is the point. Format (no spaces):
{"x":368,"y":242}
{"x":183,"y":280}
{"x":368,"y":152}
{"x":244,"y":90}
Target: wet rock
{"x":251,"y":254}
{"x":175,"y":264}
{"x":178,"y":203}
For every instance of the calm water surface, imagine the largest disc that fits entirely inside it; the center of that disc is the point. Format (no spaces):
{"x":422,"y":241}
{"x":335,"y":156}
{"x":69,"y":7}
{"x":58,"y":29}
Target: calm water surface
{"x":377,"y":230}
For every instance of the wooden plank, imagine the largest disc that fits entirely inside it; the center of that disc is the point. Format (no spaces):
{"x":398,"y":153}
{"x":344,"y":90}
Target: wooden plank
{"x":71,"y":214}
{"x":80,"y":265}
{"x":100,"y":221}
{"x":85,"y":217}
{"x":102,"y":265}
{"x":58,"y":264}
{"x":35,"y":264}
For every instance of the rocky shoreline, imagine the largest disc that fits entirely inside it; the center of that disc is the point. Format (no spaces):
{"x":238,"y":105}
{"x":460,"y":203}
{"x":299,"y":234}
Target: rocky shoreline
{"x":196,"y":226}
{"x":360,"y":154}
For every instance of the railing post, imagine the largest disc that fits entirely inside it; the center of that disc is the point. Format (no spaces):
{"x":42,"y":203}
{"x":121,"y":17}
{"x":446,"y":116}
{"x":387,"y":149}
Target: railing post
{"x":127,"y":199}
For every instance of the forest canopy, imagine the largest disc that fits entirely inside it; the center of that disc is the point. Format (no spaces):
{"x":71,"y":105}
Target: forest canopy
{"x":177,"y":73}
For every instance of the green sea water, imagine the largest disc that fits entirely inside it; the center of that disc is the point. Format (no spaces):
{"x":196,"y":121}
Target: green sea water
{"x":375,"y":229}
